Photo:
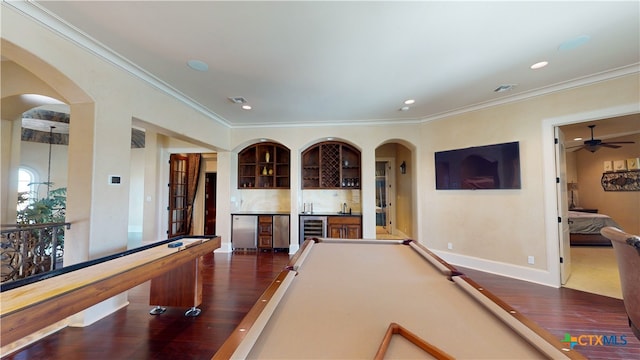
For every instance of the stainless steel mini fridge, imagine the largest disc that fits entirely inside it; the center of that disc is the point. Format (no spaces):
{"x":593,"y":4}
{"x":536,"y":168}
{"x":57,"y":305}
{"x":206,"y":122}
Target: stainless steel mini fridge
{"x":244,"y":233}
{"x":280,"y":232}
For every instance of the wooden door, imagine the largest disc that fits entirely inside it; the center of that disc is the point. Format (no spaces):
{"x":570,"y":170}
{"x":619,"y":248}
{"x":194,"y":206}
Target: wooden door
{"x":210,"y":203}
{"x":178,"y":202}
{"x":563,"y":207}
{"x":334,"y":231}
{"x":352,"y":231}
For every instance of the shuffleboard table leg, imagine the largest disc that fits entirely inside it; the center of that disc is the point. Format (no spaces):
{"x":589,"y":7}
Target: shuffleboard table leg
{"x":157,"y":310}
{"x":194,"y":311}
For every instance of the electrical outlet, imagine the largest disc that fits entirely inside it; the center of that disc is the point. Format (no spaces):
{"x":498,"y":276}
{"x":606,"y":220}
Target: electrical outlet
{"x":450,"y":246}
{"x":531,"y":260}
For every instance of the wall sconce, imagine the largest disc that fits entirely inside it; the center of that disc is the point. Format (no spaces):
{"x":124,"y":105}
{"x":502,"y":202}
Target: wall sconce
{"x":403,"y":168}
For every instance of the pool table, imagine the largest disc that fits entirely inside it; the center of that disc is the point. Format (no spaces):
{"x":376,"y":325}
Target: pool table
{"x":337,"y":299}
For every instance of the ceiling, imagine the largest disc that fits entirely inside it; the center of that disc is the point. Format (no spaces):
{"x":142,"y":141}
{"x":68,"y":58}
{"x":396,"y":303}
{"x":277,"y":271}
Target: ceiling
{"x":356,"y":62}
{"x":610,"y":129}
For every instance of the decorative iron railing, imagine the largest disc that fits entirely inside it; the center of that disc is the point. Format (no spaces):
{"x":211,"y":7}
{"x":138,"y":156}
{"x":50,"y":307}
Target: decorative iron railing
{"x":28,"y":250}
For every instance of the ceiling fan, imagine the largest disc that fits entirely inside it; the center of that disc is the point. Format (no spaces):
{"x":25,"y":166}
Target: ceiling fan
{"x":594,"y":144}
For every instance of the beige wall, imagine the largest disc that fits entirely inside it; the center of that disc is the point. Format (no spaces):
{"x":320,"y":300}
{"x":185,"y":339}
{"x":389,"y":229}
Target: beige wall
{"x":104,"y":100}
{"x":35,"y":156}
{"x":622,"y":206}
{"x":498,"y":230}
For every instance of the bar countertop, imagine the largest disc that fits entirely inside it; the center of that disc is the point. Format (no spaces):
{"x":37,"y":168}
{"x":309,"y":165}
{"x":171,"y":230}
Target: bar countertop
{"x":266,"y":212}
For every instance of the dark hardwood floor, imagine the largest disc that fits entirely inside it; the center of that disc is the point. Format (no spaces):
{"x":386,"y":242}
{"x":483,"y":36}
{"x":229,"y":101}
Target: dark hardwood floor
{"x":234,"y":282}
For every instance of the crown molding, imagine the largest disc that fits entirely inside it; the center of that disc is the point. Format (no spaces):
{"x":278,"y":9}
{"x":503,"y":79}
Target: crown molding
{"x":575,"y":83}
{"x":43,"y":16}
{"x":59,"y":26}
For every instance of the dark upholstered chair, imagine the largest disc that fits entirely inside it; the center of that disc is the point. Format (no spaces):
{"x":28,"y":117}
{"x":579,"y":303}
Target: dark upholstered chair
{"x":627,"y":249}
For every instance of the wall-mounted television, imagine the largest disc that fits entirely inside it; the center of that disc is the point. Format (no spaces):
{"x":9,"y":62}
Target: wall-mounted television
{"x":480,"y":167}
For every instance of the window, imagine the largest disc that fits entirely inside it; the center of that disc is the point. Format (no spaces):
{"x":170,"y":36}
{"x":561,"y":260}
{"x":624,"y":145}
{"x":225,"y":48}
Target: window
{"x":27,"y":187}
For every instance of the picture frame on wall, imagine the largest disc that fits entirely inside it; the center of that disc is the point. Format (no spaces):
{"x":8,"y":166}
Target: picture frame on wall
{"x":633,"y":164}
{"x":620,"y":165}
{"x":608,"y":166}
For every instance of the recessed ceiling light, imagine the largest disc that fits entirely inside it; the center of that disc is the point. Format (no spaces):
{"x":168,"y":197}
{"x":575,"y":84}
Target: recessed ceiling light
{"x":404,"y":108}
{"x":577,"y":139}
{"x":198,"y":65}
{"x":574,"y":43}
{"x":409,"y":102}
{"x":246,"y":107}
{"x":539,"y":65}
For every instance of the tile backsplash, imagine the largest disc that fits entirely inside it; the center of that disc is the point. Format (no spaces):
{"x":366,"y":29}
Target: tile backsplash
{"x":324,"y":201}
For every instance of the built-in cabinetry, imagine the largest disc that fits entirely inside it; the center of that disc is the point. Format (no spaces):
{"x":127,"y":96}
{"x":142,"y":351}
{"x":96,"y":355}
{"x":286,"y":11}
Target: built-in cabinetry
{"x":264,"y":166}
{"x":333,"y":226}
{"x":260,"y":231}
{"x":265,"y":232}
{"x":344,"y":227}
{"x":331,"y":165}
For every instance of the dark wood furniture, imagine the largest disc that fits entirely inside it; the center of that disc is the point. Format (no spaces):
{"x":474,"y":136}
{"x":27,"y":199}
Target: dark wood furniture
{"x":265,"y":232}
{"x":331,"y":165}
{"x":180,"y":287}
{"x":592,"y":211}
{"x":588,"y":240}
{"x":344,"y":227}
{"x":264,"y":166}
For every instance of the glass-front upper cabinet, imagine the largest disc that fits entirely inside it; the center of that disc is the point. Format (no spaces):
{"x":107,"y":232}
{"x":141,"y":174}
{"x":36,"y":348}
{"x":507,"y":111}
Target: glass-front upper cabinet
{"x":331,"y":165}
{"x":264,"y":166}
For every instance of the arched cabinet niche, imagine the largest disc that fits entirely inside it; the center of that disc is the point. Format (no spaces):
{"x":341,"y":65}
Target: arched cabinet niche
{"x":264,"y":166}
{"x":331,"y":165}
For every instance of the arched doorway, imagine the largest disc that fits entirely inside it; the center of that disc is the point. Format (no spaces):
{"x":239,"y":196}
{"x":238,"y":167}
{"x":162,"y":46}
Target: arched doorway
{"x":394,"y":191}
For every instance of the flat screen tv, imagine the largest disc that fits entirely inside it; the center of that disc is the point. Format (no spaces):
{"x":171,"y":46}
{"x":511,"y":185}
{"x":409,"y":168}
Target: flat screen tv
{"x":480,"y":167}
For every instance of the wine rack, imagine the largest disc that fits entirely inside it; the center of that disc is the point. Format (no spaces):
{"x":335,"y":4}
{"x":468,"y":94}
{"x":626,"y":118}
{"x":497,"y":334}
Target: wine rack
{"x":331,"y":165}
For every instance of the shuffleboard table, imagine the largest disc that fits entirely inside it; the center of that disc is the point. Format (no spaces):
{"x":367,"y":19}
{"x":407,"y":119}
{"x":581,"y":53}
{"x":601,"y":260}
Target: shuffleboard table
{"x":367,"y":299}
{"x":30,"y":304}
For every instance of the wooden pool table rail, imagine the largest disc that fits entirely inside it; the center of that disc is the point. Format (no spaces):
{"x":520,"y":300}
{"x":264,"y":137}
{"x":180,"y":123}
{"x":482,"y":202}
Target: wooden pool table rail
{"x":395,"y":328}
{"x":544,"y":341}
{"x":31,"y":307}
{"x":251,"y":325}
{"x":537,"y":336}
{"x":258,"y":315}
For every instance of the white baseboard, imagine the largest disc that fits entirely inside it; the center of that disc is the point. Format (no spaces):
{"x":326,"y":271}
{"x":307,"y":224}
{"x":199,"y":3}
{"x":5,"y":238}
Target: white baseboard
{"x":537,"y":276}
